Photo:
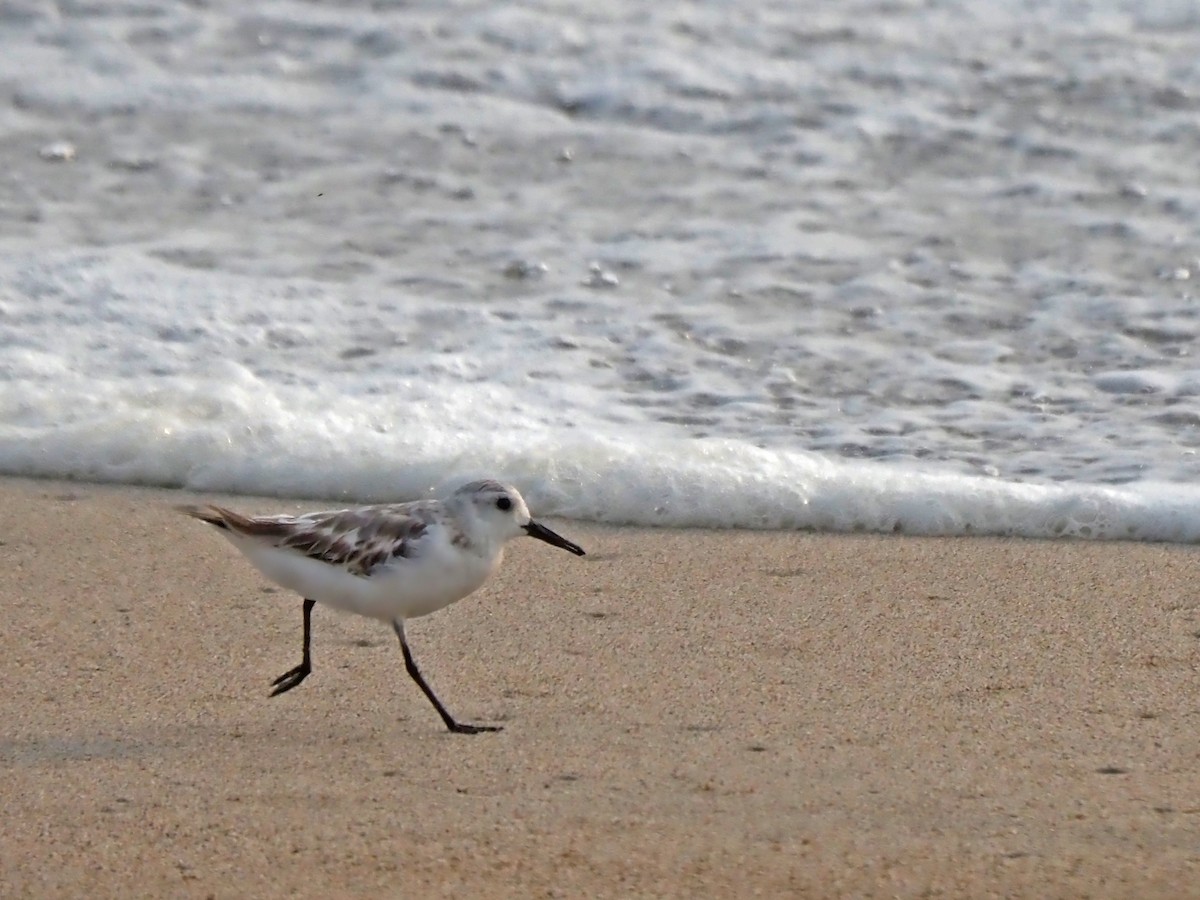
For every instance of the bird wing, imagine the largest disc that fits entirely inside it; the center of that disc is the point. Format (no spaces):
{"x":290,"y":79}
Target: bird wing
{"x":359,"y":540}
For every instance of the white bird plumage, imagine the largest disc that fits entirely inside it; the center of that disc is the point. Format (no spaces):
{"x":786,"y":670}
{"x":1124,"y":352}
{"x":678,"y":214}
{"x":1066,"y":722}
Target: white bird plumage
{"x":390,"y":562}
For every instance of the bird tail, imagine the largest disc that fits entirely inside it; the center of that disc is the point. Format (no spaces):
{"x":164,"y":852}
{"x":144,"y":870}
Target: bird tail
{"x":228,"y":520}
{"x":213,"y":515}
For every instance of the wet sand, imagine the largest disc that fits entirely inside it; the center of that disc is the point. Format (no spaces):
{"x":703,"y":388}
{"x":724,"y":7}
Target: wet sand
{"x":685,"y":713}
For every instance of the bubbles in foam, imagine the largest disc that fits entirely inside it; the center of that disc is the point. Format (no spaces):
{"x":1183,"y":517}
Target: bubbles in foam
{"x":199,"y":392}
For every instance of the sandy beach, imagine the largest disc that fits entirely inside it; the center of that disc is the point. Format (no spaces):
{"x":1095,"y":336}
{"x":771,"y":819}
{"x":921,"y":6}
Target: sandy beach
{"x":686,"y":713}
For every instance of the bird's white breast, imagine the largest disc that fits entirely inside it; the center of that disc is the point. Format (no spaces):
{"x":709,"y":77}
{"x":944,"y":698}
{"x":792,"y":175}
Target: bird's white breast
{"x":401,"y":588}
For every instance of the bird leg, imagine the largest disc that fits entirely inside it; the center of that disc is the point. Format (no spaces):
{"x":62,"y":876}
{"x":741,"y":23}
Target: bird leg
{"x":293,"y":677}
{"x":411,"y":665}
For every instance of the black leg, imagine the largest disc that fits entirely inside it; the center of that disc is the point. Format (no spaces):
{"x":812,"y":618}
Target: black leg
{"x":293,"y":677}
{"x":411,"y":665}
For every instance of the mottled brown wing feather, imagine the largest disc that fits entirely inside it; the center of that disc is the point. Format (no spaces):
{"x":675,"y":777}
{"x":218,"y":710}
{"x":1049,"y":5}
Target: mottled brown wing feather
{"x":359,"y":539}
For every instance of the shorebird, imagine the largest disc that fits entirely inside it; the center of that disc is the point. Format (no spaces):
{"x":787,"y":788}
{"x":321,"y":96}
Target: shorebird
{"x":391,"y":562}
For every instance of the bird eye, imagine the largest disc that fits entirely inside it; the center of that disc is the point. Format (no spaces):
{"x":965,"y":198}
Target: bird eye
{"x":504,"y":503}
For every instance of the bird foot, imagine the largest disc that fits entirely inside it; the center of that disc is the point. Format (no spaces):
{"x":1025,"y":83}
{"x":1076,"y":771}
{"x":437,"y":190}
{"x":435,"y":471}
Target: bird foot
{"x":290,"y":679}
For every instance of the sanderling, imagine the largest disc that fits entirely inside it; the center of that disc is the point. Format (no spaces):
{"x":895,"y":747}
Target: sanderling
{"x":390,"y":562}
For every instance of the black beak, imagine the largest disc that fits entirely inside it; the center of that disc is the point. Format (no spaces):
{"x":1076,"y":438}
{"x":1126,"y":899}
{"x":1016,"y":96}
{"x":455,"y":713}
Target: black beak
{"x":542,"y":533}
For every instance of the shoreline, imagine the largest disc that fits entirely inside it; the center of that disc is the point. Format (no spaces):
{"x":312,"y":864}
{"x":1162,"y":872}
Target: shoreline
{"x":686,"y":712}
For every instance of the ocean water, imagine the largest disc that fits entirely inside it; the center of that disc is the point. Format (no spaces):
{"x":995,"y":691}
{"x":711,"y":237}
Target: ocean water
{"x":925,"y":267}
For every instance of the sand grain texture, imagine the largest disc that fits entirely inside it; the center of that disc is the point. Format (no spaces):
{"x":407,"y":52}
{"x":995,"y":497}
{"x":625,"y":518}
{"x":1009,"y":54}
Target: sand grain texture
{"x":686,"y":713}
